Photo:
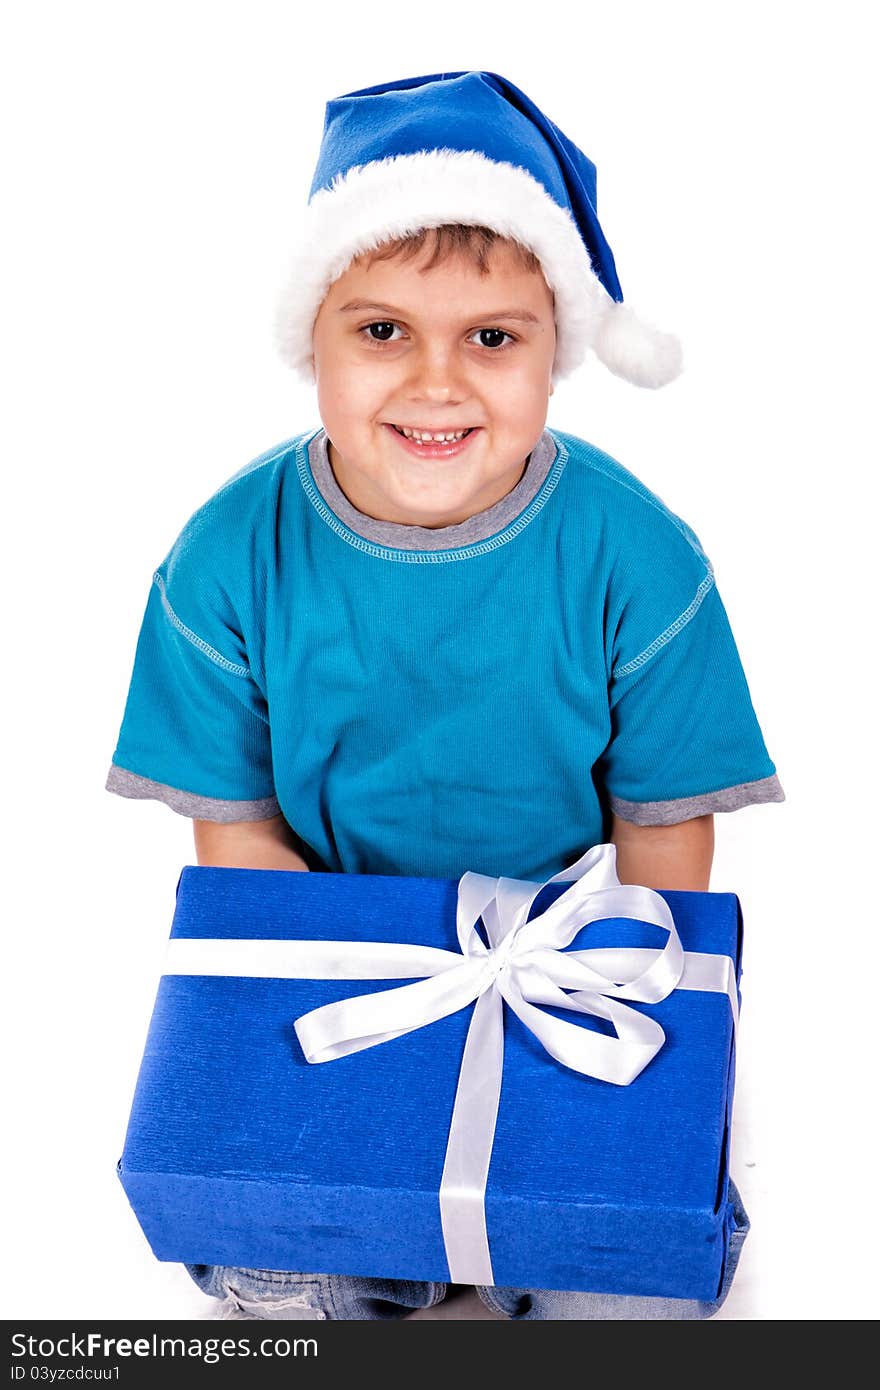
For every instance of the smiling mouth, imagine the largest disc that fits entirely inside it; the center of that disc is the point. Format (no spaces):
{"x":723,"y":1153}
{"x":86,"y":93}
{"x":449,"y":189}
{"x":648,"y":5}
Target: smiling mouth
{"x":432,"y":437}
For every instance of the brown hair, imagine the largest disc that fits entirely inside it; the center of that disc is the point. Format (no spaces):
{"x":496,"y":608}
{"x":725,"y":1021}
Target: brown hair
{"x":452,"y":239}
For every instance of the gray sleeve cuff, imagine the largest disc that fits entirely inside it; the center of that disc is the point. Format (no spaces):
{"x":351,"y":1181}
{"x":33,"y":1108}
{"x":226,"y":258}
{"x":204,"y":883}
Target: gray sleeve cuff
{"x":707,"y":804}
{"x":131,"y":784}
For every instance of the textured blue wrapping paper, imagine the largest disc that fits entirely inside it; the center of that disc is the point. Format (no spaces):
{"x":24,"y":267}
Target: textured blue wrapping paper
{"x":239,"y":1152}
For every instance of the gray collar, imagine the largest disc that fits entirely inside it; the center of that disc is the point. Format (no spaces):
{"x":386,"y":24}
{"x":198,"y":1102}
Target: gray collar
{"x":402,"y":537}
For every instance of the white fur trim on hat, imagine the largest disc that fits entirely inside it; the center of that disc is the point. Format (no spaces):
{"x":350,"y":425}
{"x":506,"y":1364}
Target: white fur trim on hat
{"x":386,"y":199}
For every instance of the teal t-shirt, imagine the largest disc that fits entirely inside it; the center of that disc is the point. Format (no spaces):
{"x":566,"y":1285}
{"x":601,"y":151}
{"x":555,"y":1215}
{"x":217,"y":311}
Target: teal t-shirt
{"x":423,"y":711}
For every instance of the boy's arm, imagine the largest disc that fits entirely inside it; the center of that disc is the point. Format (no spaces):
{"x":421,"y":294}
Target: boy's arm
{"x":258,"y":844}
{"x":657,"y":856}
{"x":665,"y":856}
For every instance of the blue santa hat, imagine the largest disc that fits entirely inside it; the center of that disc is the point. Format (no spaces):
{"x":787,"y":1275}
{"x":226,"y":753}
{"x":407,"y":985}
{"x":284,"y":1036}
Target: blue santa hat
{"x":470,"y":148}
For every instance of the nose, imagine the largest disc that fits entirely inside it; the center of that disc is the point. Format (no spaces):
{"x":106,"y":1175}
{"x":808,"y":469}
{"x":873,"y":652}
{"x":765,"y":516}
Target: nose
{"x":437,"y":376}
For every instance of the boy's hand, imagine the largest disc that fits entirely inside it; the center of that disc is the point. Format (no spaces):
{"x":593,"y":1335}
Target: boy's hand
{"x":256,"y":844}
{"x":665,"y":856}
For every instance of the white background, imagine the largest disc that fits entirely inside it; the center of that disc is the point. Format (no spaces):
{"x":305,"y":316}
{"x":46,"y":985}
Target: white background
{"x":156,"y":158}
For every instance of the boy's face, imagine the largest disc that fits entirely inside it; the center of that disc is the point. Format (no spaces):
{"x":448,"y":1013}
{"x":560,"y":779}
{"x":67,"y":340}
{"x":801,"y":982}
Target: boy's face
{"x":438,"y":352}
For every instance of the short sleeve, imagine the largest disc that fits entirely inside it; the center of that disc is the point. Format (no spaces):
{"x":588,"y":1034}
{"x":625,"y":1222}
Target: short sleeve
{"x":195,"y":731}
{"x":685,"y":738}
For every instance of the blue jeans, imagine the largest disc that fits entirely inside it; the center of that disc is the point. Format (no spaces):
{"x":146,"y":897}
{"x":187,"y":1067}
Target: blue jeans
{"x":265,"y":1293}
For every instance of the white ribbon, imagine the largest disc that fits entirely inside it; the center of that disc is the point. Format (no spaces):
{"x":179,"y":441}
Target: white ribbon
{"x":525,"y":964}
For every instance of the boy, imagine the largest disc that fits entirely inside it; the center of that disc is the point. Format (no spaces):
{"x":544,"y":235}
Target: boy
{"x":434,"y":635}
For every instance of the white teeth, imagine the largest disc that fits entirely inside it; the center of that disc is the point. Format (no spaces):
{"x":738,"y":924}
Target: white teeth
{"x":425,"y":437}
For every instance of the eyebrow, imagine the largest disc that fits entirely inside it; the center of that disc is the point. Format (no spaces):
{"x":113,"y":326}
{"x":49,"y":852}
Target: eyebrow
{"x":368,"y":306}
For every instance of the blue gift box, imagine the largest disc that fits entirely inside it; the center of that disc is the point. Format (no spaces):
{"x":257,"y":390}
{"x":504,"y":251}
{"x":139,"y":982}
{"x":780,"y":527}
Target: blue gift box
{"x":239,"y":1152}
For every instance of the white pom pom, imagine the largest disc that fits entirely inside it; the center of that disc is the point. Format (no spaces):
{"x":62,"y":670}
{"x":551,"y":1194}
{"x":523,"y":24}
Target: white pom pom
{"x":635,"y":350}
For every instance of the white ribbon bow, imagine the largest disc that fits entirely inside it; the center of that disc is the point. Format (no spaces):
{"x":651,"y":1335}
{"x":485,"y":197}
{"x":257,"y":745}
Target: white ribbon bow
{"x":525,"y":964}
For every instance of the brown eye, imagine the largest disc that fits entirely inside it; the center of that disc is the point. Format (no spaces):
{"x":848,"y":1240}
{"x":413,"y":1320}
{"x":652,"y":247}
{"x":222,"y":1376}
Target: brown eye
{"x":491,"y":337}
{"x":381,"y":332}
